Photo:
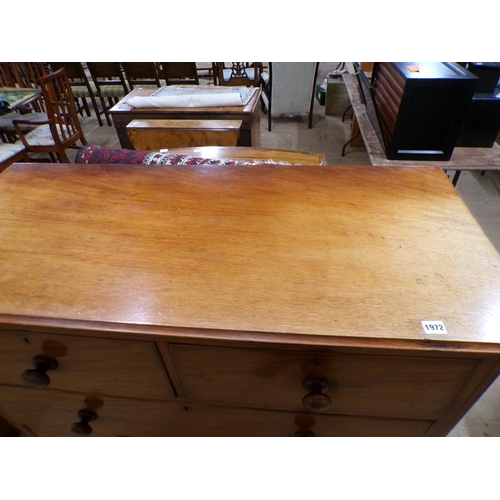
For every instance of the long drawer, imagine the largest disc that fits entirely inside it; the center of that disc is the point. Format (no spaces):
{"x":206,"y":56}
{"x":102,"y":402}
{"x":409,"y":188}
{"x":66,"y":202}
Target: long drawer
{"x":50,"y":413}
{"x":100,"y":366}
{"x":386,"y":386}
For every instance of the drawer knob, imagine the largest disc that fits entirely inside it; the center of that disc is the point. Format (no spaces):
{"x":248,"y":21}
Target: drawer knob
{"x":316,"y":400}
{"x":38,"y":377}
{"x":83,"y":428}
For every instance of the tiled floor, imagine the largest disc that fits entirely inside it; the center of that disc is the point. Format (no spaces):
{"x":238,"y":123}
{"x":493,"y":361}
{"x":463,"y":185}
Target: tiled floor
{"x":480,"y":193}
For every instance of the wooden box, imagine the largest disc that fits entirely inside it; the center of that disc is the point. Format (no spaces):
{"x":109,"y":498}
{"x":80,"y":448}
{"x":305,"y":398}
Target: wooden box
{"x":421,"y":107}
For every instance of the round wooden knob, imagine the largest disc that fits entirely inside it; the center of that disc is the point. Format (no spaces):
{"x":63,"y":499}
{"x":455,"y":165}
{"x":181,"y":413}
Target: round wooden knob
{"x":83,"y":428}
{"x":38,"y":377}
{"x":316,"y":400}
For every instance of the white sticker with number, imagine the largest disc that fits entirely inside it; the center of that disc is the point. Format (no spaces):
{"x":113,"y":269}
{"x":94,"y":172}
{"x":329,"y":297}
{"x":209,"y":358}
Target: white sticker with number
{"x":433,"y":327}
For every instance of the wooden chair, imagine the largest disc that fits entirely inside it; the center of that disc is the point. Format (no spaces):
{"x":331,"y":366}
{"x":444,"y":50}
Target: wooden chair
{"x":7,"y":78}
{"x":142,"y":74}
{"x":83,"y":89}
{"x":240,"y":74}
{"x":12,"y":153}
{"x":110,"y":84}
{"x":180,"y":73}
{"x":22,"y":75}
{"x":289,"y":88}
{"x":62,"y":130}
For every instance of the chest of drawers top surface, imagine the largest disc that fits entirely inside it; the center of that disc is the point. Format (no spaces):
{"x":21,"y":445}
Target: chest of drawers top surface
{"x":328,"y":251}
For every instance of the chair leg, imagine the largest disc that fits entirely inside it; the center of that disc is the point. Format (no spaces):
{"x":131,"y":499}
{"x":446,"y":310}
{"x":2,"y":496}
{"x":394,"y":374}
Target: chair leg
{"x":63,"y":158}
{"x":105,"y":109}
{"x":96,"y":110}
{"x":86,"y":106}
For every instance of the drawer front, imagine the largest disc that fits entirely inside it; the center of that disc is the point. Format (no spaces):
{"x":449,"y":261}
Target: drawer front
{"x":387,"y":386}
{"x":50,"y":413}
{"x":53,"y":413}
{"x":101,"y":366}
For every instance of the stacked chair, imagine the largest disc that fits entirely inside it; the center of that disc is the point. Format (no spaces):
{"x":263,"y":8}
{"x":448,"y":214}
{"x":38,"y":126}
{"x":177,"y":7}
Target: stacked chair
{"x":62,"y":128}
{"x":21,"y":75}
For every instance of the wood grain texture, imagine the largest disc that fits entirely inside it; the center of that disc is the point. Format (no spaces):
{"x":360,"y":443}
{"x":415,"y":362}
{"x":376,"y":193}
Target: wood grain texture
{"x":98,"y":366}
{"x":153,"y":135}
{"x":350,"y":252}
{"x":255,"y":155}
{"x":52,"y":414}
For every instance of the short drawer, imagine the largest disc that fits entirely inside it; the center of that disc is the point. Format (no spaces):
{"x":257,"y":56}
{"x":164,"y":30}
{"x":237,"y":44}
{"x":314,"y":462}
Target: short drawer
{"x":100,"y":366}
{"x":387,"y":386}
{"x":51,"y":413}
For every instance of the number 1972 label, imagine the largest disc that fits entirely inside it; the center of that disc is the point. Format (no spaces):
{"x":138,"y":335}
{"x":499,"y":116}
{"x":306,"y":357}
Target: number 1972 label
{"x":433,"y":327}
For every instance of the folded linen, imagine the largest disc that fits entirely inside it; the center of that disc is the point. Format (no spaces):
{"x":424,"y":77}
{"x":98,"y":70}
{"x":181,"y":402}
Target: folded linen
{"x":192,"y":99}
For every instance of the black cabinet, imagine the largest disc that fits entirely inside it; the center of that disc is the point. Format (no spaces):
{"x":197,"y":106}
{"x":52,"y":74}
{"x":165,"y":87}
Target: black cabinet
{"x":482,"y":124}
{"x":421,"y":107}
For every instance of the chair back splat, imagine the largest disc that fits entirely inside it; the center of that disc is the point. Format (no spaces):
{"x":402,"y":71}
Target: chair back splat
{"x":180,"y":73}
{"x":239,"y":74}
{"x":142,"y":73}
{"x":83,"y":88}
{"x":110,"y":83}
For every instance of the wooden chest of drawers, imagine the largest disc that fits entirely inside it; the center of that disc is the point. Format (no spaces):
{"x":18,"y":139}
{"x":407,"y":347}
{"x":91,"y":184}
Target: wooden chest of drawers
{"x":262,"y":301}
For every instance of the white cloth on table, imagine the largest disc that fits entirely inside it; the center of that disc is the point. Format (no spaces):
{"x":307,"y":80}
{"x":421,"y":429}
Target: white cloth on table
{"x":183,"y":97}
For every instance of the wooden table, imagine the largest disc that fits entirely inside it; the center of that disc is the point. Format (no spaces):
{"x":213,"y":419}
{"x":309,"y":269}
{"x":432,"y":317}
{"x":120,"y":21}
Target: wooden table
{"x":17,"y":97}
{"x":242,"y":301}
{"x":122,"y":114}
{"x":462,"y":158}
{"x":254,"y":155}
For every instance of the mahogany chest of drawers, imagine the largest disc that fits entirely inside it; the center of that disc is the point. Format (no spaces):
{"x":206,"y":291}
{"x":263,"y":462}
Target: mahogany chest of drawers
{"x":242,"y":301}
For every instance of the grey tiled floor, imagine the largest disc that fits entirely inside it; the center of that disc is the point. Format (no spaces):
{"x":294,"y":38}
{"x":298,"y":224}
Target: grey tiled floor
{"x":480,"y":193}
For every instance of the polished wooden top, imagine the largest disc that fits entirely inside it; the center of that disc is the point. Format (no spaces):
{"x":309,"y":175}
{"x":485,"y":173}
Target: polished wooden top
{"x":261,"y":155}
{"x":185,"y":124}
{"x":461,"y":159}
{"x":123,"y":108}
{"x":337,"y":252}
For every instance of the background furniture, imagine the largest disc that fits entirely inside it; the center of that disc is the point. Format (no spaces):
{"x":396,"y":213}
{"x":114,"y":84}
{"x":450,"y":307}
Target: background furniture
{"x":420,"y":107}
{"x":142,"y":74}
{"x":461,"y":159}
{"x":259,"y":301}
{"x":254,"y":155}
{"x":288,"y":89}
{"x":62,"y":129}
{"x":122,"y":114}
{"x":110,"y":84}
{"x":153,"y":135}
{"x":180,"y":73}
{"x":22,"y":75}
{"x":19,"y":102}
{"x":83,"y":88}
{"x":238,"y":74}
{"x":11,"y":153}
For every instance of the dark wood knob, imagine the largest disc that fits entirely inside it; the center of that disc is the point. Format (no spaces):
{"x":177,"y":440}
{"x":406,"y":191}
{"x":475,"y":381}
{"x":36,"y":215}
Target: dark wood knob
{"x":316,"y":400}
{"x":83,"y":428}
{"x":38,"y":377}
